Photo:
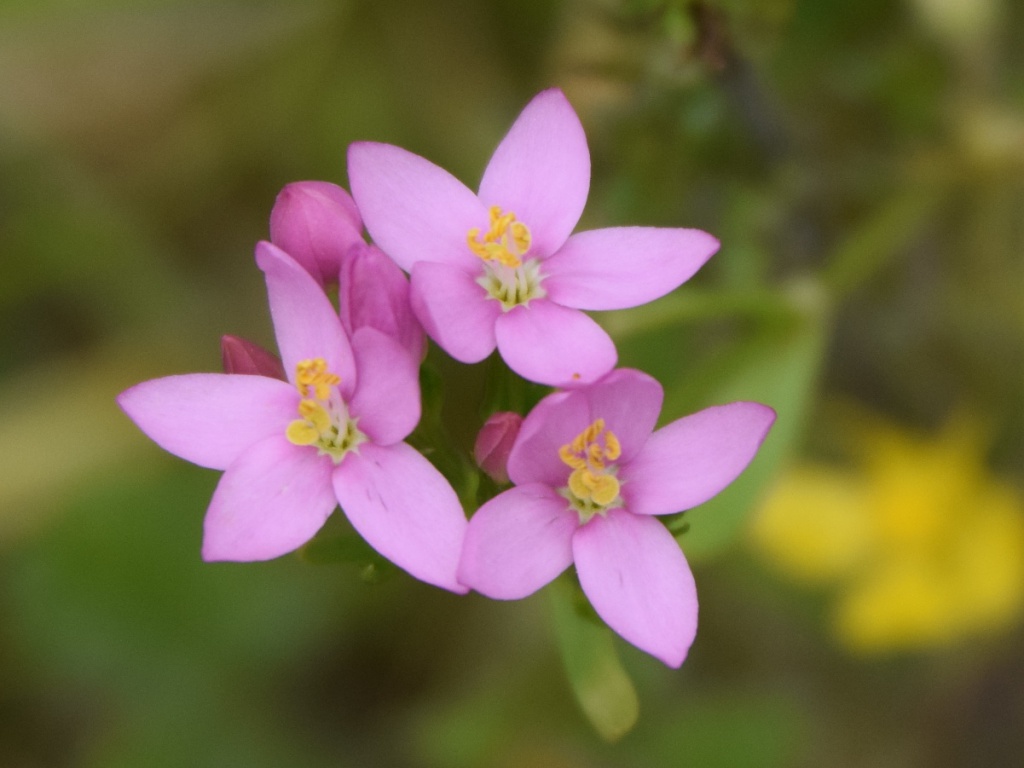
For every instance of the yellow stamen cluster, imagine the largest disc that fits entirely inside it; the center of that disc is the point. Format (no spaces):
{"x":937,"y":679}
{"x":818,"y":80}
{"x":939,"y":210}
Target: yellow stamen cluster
{"x":313,"y":374}
{"x":507,"y":240}
{"x":592,"y":483}
{"x":320,"y":423}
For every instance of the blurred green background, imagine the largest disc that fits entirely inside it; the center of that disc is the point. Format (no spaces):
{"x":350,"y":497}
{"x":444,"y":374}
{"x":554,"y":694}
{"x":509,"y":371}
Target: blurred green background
{"x":862,"y":162}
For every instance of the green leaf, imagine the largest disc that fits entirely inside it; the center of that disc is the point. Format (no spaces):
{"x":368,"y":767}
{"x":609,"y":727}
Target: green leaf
{"x":601,"y":686}
{"x":880,"y":238}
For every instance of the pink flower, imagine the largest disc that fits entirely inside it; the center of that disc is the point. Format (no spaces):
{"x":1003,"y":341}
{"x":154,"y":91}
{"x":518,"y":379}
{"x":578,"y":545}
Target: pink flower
{"x":589,"y":473}
{"x":292,"y":450}
{"x":502,"y":268}
{"x":315,"y":222}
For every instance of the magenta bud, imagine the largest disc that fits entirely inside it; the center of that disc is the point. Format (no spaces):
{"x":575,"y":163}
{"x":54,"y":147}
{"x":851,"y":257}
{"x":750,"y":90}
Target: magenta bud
{"x":494,"y":444}
{"x":243,"y":356}
{"x":315,"y":222}
{"x":373,"y":291}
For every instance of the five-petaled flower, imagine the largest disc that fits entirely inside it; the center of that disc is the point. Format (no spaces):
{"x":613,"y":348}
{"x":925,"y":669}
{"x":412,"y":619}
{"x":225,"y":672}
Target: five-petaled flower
{"x":589,"y":473}
{"x":503,"y":268}
{"x":292,"y":450}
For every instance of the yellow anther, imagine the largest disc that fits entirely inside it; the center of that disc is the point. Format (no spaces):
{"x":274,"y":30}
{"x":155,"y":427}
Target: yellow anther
{"x":577,"y":484}
{"x":600,"y":489}
{"x":606,"y":489}
{"x":612,"y":447}
{"x":592,"y":483}
{"x":505,"y":242}
{"x":313,"y":374}
{"x":566,"y":454}
{"x":521,"y":237}
{"x":315,"y":414}
{"x":301,"y":432}
{"x":312,"y":427}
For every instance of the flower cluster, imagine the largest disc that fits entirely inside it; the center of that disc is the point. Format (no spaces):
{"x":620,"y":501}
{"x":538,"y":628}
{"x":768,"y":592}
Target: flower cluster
{"x":325,"y":425}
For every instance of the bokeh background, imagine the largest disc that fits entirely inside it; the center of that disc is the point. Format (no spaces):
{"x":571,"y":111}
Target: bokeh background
{"x":861,"y":586}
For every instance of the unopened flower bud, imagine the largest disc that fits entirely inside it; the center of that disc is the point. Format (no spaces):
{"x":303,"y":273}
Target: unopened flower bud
{"x":243,"y":356}
{"x":373,"y":291}
{"x":494,"y":444}
{"x":315,"y":222}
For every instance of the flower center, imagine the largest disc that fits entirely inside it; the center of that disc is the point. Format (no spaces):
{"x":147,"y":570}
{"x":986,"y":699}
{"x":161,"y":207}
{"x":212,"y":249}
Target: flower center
{"x":593,"y":487}
{"x":507,"y":277}
{"x":324,"y":418}
{"x":504,"y":243}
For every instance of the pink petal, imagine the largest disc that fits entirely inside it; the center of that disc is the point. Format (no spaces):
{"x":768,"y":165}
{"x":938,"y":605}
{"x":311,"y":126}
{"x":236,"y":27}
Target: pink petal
{"x":305,"y":322}
{"x":554,"y":345}
{"x":405,"y":509}
{"x":373,"y":291}
{"x":637,"y":579}
{"x":517,"y":542}
{"x":541,"y":171}
{"x":454,"y":310}
{"x":552,"y":423}
{"x":315,"y":222}
{"x":692,"y":459}
{"x":625,"y":266}
{"x":387,"y":396}
{"x":629,"y":401}
{"x":271,"y":500}
{"x":210,"y":419}
{"x":413,"y":209}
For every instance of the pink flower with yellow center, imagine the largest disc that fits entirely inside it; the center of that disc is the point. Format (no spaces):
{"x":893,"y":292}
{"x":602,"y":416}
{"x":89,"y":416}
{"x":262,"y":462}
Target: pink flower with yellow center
{"x":502,"y":268}
{"x":590,"y":473}
{"x":293,"y":450}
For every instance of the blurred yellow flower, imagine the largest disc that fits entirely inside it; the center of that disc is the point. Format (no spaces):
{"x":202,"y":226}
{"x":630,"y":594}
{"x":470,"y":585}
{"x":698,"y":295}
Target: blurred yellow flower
{"x":923,"y":544}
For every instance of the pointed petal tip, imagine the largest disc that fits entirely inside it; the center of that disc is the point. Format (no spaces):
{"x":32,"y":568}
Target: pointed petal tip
{"x":541,"y":171}
{"x":268,"y":254}
{"x":673,"y":658}
{"x":759,"y":413}
{"x":357,"y":151}
{"x":211,"y":553}
{"x":215,"y":551}
{"x":636,"y":577}
{"x":692,"y":459}
{"x":554,"y":92}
